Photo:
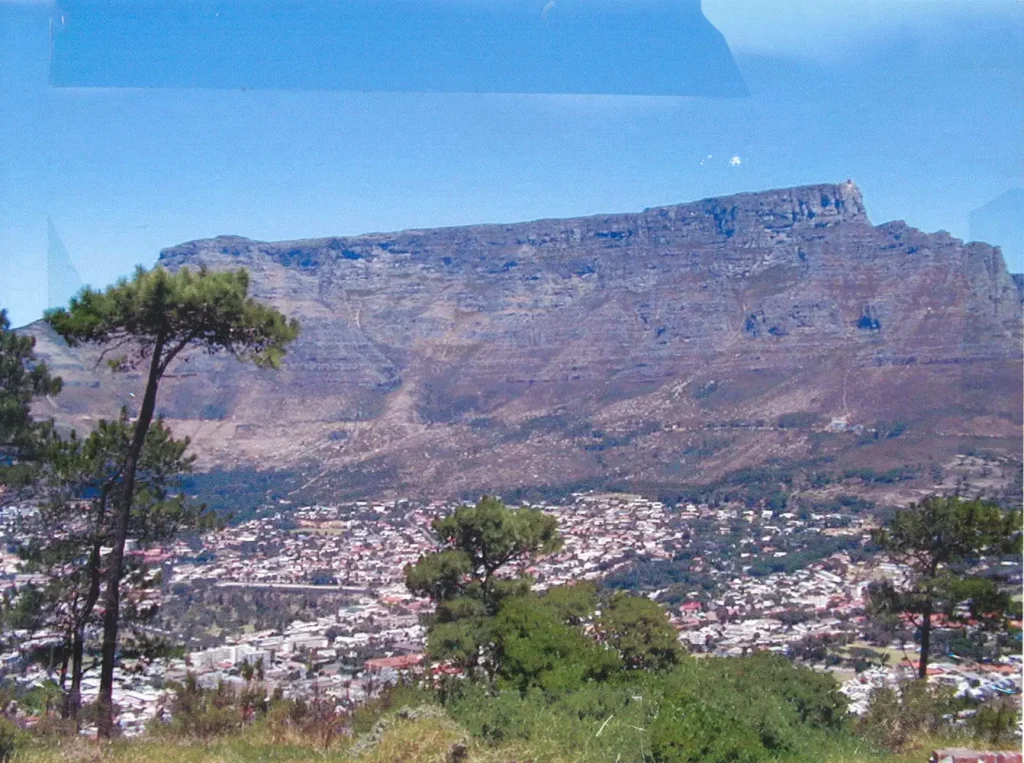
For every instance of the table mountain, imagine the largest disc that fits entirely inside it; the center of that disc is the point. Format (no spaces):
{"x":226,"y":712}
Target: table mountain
{"x":662,"y":347}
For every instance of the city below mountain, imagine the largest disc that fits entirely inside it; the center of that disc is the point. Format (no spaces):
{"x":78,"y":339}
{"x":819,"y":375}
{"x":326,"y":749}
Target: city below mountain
{"x":663,"y":348}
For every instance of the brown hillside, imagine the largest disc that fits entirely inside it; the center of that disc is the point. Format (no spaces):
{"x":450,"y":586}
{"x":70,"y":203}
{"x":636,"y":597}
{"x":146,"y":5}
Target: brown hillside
{"x":659,"y":347}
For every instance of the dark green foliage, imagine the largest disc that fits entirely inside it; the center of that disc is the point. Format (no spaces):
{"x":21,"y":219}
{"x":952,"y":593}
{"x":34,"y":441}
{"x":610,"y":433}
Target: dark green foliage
{"x":888,"y":477}
{"x":462,"y":578}
{"x":652,"y":574}
{"x":81,"y":480}
{"x":534,"y":648}
{"x":819,"y":479}
{"x":817,"y":547}
{"x":638,"y":630}
{"x":461,"y":641}
{"x":440,"y":576}
{"x":22,"y":378}
{"x":941,"y":539}
{"x":748,"y":709}
{"x":851,"y":503}
{"x":478,"y":541}
{"x":168,"y":313}
{"x":492,"y":536}
{"x":554,"y":668}
{"x":754,"y":709}
{"x":572,"y":604}
{"x":239,"y":495}
{"x":566,"y":726}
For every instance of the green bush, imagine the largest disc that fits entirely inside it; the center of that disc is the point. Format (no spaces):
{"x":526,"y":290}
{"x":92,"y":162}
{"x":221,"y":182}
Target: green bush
{"x":755,"y":708}
{"x":896,"y":717}
{"x":598,"y":722}
{"x":534,"y":648}
{"x":749,"y":709}
{"x":703,"y":733}
{"x":10,"y":739}
{"x":200,"y":713}
{"x":995,"y":721}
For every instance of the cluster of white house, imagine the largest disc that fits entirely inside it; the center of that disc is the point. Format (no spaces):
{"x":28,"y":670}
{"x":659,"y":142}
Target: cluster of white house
{"x":362,"y":548}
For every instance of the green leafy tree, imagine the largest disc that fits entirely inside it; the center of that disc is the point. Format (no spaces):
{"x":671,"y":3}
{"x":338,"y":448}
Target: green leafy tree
{"x":640,"y":631}
{"x":573,"y":604}
{"x":942,"y":540}
{"x":490,"y":536}
{"x":22,"y":378}
{"x":467,"y":578}
{"x":441,"y":576}
{"x":534,"y":647}
{"x":81,"y":482}
{"x":154,"y":319}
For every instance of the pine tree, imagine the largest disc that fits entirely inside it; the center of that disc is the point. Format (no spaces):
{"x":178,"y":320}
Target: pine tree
{"x":22,"y":378}
{"x":81,"y":483}
{"x":941,"y":539}
{"x":156,"y":318}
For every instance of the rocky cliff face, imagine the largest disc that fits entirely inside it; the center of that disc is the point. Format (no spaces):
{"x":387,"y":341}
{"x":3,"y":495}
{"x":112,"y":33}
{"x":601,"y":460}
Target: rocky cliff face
{"x":658,"y":347}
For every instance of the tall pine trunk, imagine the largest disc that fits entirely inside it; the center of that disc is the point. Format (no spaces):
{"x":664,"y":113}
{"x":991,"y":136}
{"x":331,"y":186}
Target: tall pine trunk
{"x":78,"y":638}
{"x":926,"y":640}
{"x":115,"y":563}
{"x":65,"y":658}
{"x":77,"y":656}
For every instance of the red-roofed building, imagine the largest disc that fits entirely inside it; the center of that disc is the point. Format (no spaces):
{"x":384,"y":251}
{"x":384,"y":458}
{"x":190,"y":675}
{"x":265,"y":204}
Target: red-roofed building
{"x":401,"y":662}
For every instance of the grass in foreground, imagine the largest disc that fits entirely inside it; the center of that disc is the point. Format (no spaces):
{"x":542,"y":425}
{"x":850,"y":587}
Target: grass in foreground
{"x":420,"y":740}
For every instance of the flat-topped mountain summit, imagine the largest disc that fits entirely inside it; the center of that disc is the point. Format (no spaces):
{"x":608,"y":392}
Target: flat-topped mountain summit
{"x":659,"y":347}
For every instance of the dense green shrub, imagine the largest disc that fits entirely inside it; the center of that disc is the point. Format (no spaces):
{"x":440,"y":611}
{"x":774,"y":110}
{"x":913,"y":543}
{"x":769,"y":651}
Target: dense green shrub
{"x":596,"y":722}
{"x":750,"y":709}
{"x":535,"y":648}
{"x":715,"y":709}
{"x":10,"y":739}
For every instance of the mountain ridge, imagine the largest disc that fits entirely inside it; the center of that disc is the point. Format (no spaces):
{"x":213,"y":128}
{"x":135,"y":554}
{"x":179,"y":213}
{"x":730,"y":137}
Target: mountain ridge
{"x":860,"y":212}
{"x":662,"y":346}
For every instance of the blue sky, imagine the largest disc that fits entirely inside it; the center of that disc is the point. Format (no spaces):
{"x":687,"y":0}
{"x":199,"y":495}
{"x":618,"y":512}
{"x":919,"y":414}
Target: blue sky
{"x":921,"y":103}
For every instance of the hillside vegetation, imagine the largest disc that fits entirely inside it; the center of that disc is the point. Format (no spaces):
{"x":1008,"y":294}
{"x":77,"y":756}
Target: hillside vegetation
{"x":608,"y":723}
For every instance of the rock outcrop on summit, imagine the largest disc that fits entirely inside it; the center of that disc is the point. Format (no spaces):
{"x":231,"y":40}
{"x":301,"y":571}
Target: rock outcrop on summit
{"x":663,"y":347}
